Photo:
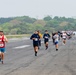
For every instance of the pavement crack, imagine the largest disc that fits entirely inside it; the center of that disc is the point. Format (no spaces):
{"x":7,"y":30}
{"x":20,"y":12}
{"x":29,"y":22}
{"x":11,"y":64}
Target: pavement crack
{"x":70,"y":70}
{"x":12,"y":71}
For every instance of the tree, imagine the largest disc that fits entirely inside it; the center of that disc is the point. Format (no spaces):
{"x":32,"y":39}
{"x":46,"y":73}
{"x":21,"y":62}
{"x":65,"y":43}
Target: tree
{"x":52,"y":23}
{"x":47,"y":18}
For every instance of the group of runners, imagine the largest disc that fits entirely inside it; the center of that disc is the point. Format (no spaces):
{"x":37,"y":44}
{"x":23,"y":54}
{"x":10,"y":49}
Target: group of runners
{"x":56,"y":36}
{"x":36,"y":37}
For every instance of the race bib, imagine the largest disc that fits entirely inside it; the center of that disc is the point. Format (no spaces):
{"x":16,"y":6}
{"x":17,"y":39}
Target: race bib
{"x":36,"y":39}
{"x":1,"y":45}
{"x":46,"y":37}
{"x":64,"y":37}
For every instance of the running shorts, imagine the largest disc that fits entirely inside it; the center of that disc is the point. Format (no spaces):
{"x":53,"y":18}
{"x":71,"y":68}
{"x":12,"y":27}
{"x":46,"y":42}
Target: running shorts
{"x":35,"y":44}
{"x":64,"y":38}
{"x":45,"y":41}
{"x":56,"y":42}
{"x":2,"y":50}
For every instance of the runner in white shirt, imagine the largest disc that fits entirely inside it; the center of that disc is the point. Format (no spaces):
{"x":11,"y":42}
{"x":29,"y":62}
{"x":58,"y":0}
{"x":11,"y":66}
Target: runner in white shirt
{"x":56,"y":37}
{"x":64,"y":36}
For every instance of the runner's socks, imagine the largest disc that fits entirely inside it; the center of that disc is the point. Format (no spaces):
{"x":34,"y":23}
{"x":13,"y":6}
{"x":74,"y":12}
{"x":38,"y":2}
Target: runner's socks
{"x":46,"y":47}
{"x":35,"y":53}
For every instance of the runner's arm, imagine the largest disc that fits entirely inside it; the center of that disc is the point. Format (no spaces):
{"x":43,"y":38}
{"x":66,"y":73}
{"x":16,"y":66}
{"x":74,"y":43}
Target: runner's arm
{"x":5,"y":39}
{"x":32,"y":37}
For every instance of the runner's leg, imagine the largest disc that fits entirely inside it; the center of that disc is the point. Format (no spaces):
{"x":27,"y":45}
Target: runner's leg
{"x":2,"y":57}
{"x":46,"y":45}
{"x":56,"y":47}
{"x":36,"y":50}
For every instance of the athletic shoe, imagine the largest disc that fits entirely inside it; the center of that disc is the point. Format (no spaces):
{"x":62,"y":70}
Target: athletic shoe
{"x":56,"y":49}
{"x":0,"y":59}
{"x":35,"y":53}
{"x":2,"y":62}
{"x":46,"y":47}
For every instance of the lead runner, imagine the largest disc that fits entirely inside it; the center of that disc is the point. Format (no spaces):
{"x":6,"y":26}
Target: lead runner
{"x":3,"y":39}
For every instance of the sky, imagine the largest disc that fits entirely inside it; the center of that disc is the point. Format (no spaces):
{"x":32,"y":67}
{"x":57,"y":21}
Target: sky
{"x":38,"y":8}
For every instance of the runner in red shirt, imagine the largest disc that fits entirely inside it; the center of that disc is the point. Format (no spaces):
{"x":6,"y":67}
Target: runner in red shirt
{"x":3,"y":39}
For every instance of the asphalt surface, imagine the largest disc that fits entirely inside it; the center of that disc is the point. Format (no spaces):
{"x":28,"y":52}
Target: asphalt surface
{"x":20,"y":59}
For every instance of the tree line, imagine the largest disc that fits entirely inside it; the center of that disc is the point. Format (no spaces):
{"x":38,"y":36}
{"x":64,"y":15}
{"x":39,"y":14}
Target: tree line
{"x":27,"y":25}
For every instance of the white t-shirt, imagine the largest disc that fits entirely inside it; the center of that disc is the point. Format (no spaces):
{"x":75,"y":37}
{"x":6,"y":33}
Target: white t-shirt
{"x":64,"y":35}
{"x":56,"y":37}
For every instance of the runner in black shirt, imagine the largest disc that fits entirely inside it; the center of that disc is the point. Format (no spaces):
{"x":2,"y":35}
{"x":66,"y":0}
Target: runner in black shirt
{"x":46,"y":37}
{"x":35,"y":37}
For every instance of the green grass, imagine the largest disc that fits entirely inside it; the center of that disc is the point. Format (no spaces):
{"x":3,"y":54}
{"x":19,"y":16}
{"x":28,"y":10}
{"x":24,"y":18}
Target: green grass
{"x":18,"y":36}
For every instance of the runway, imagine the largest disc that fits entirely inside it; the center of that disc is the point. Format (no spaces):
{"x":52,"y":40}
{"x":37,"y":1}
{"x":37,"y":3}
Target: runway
{"x":20,"y":59}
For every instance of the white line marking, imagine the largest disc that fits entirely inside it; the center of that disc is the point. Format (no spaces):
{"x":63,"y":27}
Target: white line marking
{"x":22,"y":46}
{"x":26,"y":45}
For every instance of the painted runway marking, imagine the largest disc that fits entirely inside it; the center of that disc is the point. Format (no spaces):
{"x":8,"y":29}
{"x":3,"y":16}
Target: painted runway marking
{"x":22,"y":46}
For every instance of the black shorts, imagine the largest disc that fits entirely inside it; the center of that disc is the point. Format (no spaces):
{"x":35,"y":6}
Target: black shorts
{"x":45,"y":41}
{"x":35,"y":44}
{"x":64,"y":38}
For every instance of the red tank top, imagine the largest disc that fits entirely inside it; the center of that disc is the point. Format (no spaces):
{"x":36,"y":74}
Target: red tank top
{"x":2,"y":43}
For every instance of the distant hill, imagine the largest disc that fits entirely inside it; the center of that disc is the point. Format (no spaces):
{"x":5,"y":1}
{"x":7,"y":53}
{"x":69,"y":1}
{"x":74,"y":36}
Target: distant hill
{"x":26,"y":24}
{"x":4,"y":20}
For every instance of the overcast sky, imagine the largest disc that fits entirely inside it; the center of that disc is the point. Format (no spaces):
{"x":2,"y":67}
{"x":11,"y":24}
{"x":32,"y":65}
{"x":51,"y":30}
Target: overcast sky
{"x":37,"y":8}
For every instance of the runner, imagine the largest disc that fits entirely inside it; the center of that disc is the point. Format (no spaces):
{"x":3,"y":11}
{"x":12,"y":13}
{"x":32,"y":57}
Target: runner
{"x":46,"y":37}
{"x":53,"y":38}
{"x":3,"y":39}
{"x":59,"y":33}
{"x":64,"y":36}
{"x":56,"y":37}
{"x":39,"y":39}
{"x":35,"y":37}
